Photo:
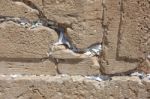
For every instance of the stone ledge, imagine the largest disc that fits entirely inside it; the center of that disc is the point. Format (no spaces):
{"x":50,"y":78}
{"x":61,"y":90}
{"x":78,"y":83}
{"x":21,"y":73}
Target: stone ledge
{"x":72,"y":87}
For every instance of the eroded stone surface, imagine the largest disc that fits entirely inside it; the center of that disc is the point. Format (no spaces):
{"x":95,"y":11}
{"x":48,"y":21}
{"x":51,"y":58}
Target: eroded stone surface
{"x":135,"y":30}
{"x":79,"y":66}
{"x":112,"y":19}
{"x":36,"y":67}
{"x":47,"y":87}
{"x":84,"y":15}
{"x":17,"y":42}
{"x":10,"y":8}
{"x":126,"y":33}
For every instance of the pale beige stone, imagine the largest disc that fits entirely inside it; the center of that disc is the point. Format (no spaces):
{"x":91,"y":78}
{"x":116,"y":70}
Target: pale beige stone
{"x":64,"y":87}
{"x":28,"y":67}
{"x":10,"y":8}
{"x":134,"y":38}
{"x":18,"y":42}
{"x":84,"y":15}
{"x":79,"y":66}
{"x":113,"y":63}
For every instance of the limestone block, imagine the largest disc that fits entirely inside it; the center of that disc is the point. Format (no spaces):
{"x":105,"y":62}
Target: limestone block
{"x":17,"y":42}
{"x":47,"y":87}
{"x":35,"y":67}
{"x":79,"y":66}
{"x":84,"y":15}
{"x":134,"y":29}
{"x":113,"y":63}
{"x":10,"y":8}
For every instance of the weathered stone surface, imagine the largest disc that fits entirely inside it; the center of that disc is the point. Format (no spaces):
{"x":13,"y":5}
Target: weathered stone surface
{"x":66,"y":54}
{"x":46,"y":87}
{"x":10,"y":8}
{"x":84,"y":15}
{"x":79,"y":66}
{"x":113,"y":66}
{"x":123,"y":25}
{"x":17,"y":42}
{"x":60,"y":52}
{"x":35,"y":67}
{"x":134,"y":29}
{"x":74,"y":63}
{"x":112,"y":20}
{"x":145,"y":66}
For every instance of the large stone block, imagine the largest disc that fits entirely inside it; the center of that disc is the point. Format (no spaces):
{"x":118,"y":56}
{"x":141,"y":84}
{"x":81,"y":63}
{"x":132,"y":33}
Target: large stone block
{"x":75,"y":63}
{"x":17,"y":42}
{"x":72,"y":87}
{"x":10,"y":8}
{"x":134,"y":29}
{"x":112,"y":19}
{"x":84,"y":15}
{"x":36,"y":67}
{"x":84,"y":66}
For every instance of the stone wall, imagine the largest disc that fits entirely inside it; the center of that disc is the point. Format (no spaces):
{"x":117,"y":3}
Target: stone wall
{"x":121,"y":26}
{"x":72,"y":87}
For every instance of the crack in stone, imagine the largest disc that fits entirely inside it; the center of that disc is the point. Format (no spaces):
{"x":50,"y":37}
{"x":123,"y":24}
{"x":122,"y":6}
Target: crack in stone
{"x":104,"y":38}
{"x":60,"y":28}
{"x":28,"y":60}
{"x":104,"y":26}
{"x":105,"y":41}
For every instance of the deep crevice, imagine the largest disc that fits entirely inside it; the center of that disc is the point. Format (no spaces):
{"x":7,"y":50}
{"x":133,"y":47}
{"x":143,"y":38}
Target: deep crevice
{"x":104,"y":38}
{"x":56,"y":25}
{"x":104,"y":26}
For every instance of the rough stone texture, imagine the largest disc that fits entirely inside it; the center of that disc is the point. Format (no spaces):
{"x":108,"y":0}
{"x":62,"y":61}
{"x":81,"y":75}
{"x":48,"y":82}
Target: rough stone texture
{"x":46,"y":87}
{"x":121,"y":25}
{"x":84,"y":15}
{"x":23,"y":51}
{"x":125,"y":38}
{"x":17,"y":42}
{"x":74,"y":63}
{"x":10,"y":8}
{"x":114,"y":63}
{"x":145,"y":66}
{"x":135,"y":29}
{"x":84,"y":66}
{"x":28,"y":68}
